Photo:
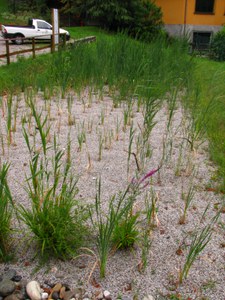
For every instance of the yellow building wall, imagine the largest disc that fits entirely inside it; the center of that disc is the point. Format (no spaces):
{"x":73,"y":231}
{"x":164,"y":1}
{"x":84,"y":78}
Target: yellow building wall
{"x":174,"y":13}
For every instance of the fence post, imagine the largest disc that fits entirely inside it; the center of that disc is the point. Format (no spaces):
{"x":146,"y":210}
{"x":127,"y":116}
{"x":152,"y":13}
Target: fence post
{"x":52,"y":43}
{"x":64,"y":40}
{"x":33,"y":47}
{"x":7,"y":51}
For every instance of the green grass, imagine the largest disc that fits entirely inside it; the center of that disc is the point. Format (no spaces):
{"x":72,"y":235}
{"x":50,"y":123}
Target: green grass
{"x":81,"y":32}
{"x":210,"y":77}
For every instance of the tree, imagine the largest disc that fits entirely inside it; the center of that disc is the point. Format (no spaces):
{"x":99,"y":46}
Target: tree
{"x":140,"y":17}
{"x":37,"y":6}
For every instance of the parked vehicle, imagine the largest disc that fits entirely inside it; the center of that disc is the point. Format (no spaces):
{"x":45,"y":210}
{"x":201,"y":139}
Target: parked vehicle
{"x":39,"y":29}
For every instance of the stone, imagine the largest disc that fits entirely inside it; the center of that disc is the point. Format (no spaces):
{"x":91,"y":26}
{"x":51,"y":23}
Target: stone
{"x":11,"y":297}
{"x":7,"y":287}
{"x":107,"y":295}
{"x":62,"y":292}
{"x":55,"y":295}
{"x":9,"y":274}
{"x":100,"y":296}
{"x":16,"y":278}
{"x":19,"y":294}
{"x":33,"y":290}
{"x":68,"y":295}
{"x":44,"y":296}
{"x":125,"y":297}
{"x":148,"y":297}
{"x":78,"y":292}
{"x":57,"y":287}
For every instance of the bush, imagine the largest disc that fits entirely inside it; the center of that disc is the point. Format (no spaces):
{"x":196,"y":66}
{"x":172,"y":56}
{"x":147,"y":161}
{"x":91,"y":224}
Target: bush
{"x":218,"y":45}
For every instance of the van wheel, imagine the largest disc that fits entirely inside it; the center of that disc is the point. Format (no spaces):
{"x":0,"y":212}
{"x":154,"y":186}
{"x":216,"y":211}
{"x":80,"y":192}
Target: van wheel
{"x":18,"y":39}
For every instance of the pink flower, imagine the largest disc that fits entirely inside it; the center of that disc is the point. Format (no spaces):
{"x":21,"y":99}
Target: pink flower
{"x":149,"y":174}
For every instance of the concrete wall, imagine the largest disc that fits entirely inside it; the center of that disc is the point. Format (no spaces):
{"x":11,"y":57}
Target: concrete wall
{"x":180,"y":29}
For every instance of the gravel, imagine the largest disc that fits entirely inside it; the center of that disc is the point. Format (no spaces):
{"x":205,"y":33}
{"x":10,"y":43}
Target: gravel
{"x":180,"y":169}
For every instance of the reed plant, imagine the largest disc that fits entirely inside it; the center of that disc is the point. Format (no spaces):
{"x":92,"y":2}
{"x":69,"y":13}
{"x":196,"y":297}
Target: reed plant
{"x":119,"y":205}
{"x":131,"y":138}
{"x":41,"y":125}
{"x":9,"y":119}
{"x":55,"y":218}
{"x":126,"y":232}
{"x":199,"y":241}
{"x":6,"y":210}
{"x":188,"y":198}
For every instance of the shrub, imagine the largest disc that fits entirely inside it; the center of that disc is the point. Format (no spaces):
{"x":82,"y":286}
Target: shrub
{"x":218,"y":45}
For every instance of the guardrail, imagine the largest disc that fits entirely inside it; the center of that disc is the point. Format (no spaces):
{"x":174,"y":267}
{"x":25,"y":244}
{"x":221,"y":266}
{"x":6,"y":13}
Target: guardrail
{"x":34,"y":48}
{"x":51,"y":45}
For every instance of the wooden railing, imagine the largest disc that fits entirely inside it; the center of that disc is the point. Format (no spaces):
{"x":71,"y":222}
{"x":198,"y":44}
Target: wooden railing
{"x":34,"y":48}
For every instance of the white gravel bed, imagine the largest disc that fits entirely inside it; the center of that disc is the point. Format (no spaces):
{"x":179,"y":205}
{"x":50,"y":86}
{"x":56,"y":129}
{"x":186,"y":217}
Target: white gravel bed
{"x":98,"y":117}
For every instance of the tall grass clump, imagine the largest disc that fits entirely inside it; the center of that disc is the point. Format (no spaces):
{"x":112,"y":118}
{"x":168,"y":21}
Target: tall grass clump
{"x":205,"y":98}
{"x":6,"y":206}
{"x":119,"y":205}
{"x":199,"y":242}
{"x":55,"y":219}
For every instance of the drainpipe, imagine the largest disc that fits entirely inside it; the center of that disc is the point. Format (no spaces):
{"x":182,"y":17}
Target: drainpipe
{"x":185,"y":16}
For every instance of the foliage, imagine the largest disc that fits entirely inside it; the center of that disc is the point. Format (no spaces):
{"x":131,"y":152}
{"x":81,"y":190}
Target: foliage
{"x":39,"y":7}
{"x":198,"y":243}
{"x":6,"y":205}
{"x":119,"y":205}
{"x":218,"y":45}
{"x":55,"y":218}
{"x":141,"y":18}
{"x":126,"y":233}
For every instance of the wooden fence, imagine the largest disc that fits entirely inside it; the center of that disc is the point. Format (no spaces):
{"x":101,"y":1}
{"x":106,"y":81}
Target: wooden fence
{"x":34,"y":48}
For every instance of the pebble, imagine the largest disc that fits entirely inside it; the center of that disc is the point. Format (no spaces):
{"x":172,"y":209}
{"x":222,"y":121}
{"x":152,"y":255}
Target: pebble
{"x":125,"y":297}
{"x":55,"y":295}
{"x":57,"y":287}
{"x":44,"y":296}
{"x":17,"y":278}
{"x":7,"y":287}
{"x":107,"y":295}
{"x":62,"y":292}
{"x":100,"y":296}
{"x":68,"y":295}
{"x":9,"y":274}
{"x":33,"y":290}
{"x":19,"y":294}
{"x":148,"y":297}
{"x":11,"y":297}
